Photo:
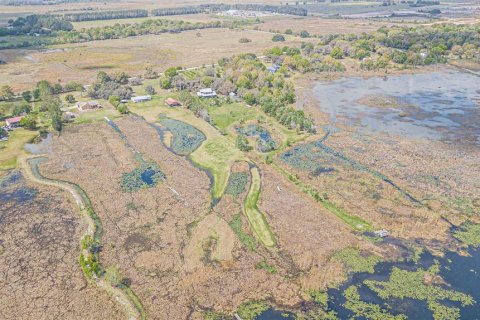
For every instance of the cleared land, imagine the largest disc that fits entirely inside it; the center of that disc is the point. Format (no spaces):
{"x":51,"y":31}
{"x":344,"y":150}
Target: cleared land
{"x":82,"y":61}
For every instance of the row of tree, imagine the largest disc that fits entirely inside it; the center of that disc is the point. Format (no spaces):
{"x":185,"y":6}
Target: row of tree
{"x":104,"y":15}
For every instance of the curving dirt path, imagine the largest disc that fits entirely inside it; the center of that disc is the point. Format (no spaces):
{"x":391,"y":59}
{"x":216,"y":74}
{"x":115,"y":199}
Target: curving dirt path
{"x":132,"y":311}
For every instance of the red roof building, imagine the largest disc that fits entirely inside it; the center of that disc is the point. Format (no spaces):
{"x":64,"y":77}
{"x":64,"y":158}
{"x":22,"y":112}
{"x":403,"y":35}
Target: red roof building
{"x":13,"y":122}
{"x":172,"y":102}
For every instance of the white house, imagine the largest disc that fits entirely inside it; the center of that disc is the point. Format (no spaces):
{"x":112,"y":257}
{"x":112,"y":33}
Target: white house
{"x":206,"y":93}
{"x":141,"y":99}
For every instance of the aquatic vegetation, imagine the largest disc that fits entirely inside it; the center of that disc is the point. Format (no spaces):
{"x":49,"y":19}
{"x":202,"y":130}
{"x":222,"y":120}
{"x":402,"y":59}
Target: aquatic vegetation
{"x":319,"y":296}
{"x":314,"y":155}
{"x":256,"y":218}
{"x":247,"y":240}
{"x":354,"y":222}
{"x":263,"y":265}
{"x":147,"y":175}
{"x":355,"y":261}
{"x":265,"y":143}
{"x":236,"y":183}
{"x":210,"y":315}
{"x":316,"y":314}
{"x":365,"y":310}
{"x":465,"y":205}
{"x":469,"y":234}
{"x":13,"y":176}
{"x":412,"y":284}
{"x":251,"y":309}
{"x":186,"y":138}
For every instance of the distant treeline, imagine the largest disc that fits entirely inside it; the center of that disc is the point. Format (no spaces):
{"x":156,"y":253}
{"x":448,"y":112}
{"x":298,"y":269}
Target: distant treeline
{"x":105,"y":15}
{"x":42,"y":2}
{"x":177,"y":11}
{"x":16,"y":39}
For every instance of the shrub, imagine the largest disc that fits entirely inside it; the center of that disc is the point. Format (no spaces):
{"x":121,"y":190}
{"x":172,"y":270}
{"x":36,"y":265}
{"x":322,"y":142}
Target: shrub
{"x":278,"y":38}
{"x":70,"y":98}
{"x":150,"y":90}
{"x":242,"y":143}
{"x":122,"y":108}
{"x":337,"y":53}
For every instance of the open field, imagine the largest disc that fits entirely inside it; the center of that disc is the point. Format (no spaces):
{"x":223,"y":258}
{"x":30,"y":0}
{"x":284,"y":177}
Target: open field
{"x":320,"y":26}
{"x":200,"y":17}
{"x":13,"y":148}
{"x":82,"y":61}
{"x":8,"y":12}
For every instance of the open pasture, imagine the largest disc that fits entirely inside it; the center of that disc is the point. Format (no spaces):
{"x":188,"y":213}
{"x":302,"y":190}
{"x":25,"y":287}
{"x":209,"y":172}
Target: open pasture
{"x":82,"y":61}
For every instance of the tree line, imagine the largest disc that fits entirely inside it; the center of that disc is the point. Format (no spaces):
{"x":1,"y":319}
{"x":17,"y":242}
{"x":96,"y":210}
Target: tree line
{"x":117,"y":31}
{"x":104,"y":15}
{"x":177,"y":11}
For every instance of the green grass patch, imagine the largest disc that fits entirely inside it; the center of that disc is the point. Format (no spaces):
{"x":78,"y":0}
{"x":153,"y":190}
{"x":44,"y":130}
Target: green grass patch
{"x":247,"y":240}
{"x":228,"y":114}
{"x":237,"y":183}
{"x":13,"y":148}
{"x":136,"y":302}
{"x":215,"y":156}
{"x":185,"y":138}
{"x":469,"y":234}
{"x":355,"y":261}
{"x":263,"y":265}
{"x":256,"y":218}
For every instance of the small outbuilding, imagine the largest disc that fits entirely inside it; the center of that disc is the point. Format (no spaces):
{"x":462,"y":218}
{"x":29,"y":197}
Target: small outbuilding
{"x":172,"y":102}
{"x":88,"y":106}
{"x":141,"y":99}
{"x":13,"y":122}
{"x":206,"y":93}
{"x":274,"y":68}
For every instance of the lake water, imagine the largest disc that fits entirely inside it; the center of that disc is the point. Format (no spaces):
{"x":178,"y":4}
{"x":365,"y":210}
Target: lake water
{"x":460,"y":273}
{"x":443,"y":105}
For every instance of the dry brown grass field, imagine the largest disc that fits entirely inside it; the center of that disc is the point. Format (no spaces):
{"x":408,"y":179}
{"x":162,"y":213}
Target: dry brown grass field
{"x":39,"y":248}
{"x":180,"y":257}
{"x":82,"y":61}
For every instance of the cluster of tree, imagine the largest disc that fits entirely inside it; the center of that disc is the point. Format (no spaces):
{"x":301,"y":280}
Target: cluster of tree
{"x":151,"y":26}
{"x":40,"y":24}
{"x":272,"y":92}
{"x":385,"y":48}
{"x":50,"y":103}
{"x":62,"y":32}
{"x":116,"y":101}
{"x":105,"y":15}
{"x":110,"y":85}
{"x":177,"y":11}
